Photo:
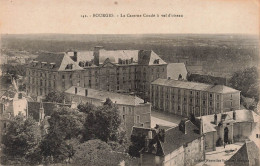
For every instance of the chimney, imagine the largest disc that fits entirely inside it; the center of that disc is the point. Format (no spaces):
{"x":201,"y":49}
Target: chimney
{"x":201,"y":126}
{"x":41,"y":112}
{"x":75,"y":57}
{"x":96,"y":55}
{"x":234,"y":115}
{"x":76,"y":90}
{"x":215,"y":119}
{"x":182,"y":125}
{"x":86,"y":92}
{"x":180,"y":77}
{"x":169,"y":78}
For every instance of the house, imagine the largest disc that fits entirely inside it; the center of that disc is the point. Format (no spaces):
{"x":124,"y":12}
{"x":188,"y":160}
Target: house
{"x":247,"y":155}
{"x":134,"y":110}
{"x":185,"y":98}
{"x":177,"y":71}
{"x":229,"y":127}
{"x":173,"y":146}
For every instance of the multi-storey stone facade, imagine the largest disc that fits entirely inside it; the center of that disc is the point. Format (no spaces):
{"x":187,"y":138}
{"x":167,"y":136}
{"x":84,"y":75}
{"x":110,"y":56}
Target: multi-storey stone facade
{"x":185,"y":98}
{"x":118,"y":71}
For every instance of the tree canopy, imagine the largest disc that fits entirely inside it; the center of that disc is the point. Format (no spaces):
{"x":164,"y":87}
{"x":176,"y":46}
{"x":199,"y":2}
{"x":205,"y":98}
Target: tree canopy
{"x":20,"y":140}
{"x":247,"y":82}
{"x":55,"y":96}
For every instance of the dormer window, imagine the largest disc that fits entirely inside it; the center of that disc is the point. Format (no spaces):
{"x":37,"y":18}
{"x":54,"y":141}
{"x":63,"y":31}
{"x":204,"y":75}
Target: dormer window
{"x":69,"y":66}
{"x":43,"y":64}
{"x":52,"y":65}
{"x":35,"y":63}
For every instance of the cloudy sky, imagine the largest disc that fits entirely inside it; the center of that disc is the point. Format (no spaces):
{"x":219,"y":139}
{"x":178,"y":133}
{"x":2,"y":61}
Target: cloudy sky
{"x":64,"y":16}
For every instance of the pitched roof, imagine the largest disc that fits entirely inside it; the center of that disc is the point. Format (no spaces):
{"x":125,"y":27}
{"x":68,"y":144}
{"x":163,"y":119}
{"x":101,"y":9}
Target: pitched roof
{"x":194,"y":86}
{"x":61,"y":60}
{"x":174,"y":69}
{"x":114,"y":55}
{"x":248,"y":153}
{"x":241,"y":116}
{"x":175,"y":138}
{"x":103,"y":95}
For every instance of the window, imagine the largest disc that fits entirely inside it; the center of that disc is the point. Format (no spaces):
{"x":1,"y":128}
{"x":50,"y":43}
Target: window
{"x":191,"y":92}
{"x":63,"y":77}
{"x":231,"y":104}
{"x":138,"y":118}
{"x":217,"y":97}
{"x":217,"y":105}
{"x":210,"y":103}
{"x":190,"y":100}
{"x":197,"y":93}
{"x":210,"y":95}
{"x":204,"y":103}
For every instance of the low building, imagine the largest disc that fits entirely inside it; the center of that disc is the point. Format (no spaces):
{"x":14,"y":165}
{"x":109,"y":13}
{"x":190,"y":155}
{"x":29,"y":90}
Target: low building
{"x":177,"y":71}
{"x":229,"y":127}
{"x":134,"y":110}
{"x":173,"y":146}
{"x":247,"y":155}
{"x":185,"y":98}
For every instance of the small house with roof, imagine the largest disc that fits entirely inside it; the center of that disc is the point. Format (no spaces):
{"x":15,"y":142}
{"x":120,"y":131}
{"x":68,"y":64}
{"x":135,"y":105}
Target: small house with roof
{"x":178,"y":146}
{"x":229,"y":127}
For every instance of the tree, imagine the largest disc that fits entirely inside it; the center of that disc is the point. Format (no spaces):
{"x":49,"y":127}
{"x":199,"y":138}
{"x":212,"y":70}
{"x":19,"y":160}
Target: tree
{"x":96,"y":152}
{"x":20,"y":140}
{"x":86,"y":108}
{"x":65,"y":124}
{"x":108,"y":102}
{"x":55,"y":96}
{"x":103,"y":123}
{"x":247,"y":82}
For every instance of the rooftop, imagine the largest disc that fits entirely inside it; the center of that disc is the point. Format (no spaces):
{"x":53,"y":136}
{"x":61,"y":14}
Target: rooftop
{"x":102,"y":95}
{"x":174,"y":69}
{"x":194,"y":86}
{"x":240,"y":115}
{"x":248,"y":153}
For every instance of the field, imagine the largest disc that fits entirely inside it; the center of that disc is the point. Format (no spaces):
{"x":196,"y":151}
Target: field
{"x":219,"y":55}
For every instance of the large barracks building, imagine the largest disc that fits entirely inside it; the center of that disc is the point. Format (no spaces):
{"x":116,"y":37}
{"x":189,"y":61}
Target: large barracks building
{"x":110,"y":70}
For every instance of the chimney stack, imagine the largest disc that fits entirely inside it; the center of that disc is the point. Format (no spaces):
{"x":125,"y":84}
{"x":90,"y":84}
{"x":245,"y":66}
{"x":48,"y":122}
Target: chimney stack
{"x":182,"y":125}
{"x":75,"y":58}
{"x":215,"y":119}
{"x":76,"y":90}
{"x":96,"y":54}
{"x":86,"y":92}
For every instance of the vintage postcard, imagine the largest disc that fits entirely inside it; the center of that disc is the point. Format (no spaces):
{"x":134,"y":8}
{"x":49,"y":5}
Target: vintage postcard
{"x":129,"y":83}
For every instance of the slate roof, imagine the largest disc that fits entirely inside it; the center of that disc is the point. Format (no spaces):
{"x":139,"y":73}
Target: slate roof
{"x":59,"y":59}
{"x":248,"y":154}
{"x":174,"y":69}
{"x":241,"y":116}
{"x":194,"y":86}
{"x":102,"y":95}
{"x":175,"y":138}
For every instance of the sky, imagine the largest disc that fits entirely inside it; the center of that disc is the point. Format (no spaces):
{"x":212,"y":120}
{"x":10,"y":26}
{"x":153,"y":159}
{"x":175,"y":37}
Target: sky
{"x":64,"y":16}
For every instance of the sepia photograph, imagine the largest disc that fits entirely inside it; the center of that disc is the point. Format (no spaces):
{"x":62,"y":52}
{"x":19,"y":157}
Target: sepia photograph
{"x":129,"y":83}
